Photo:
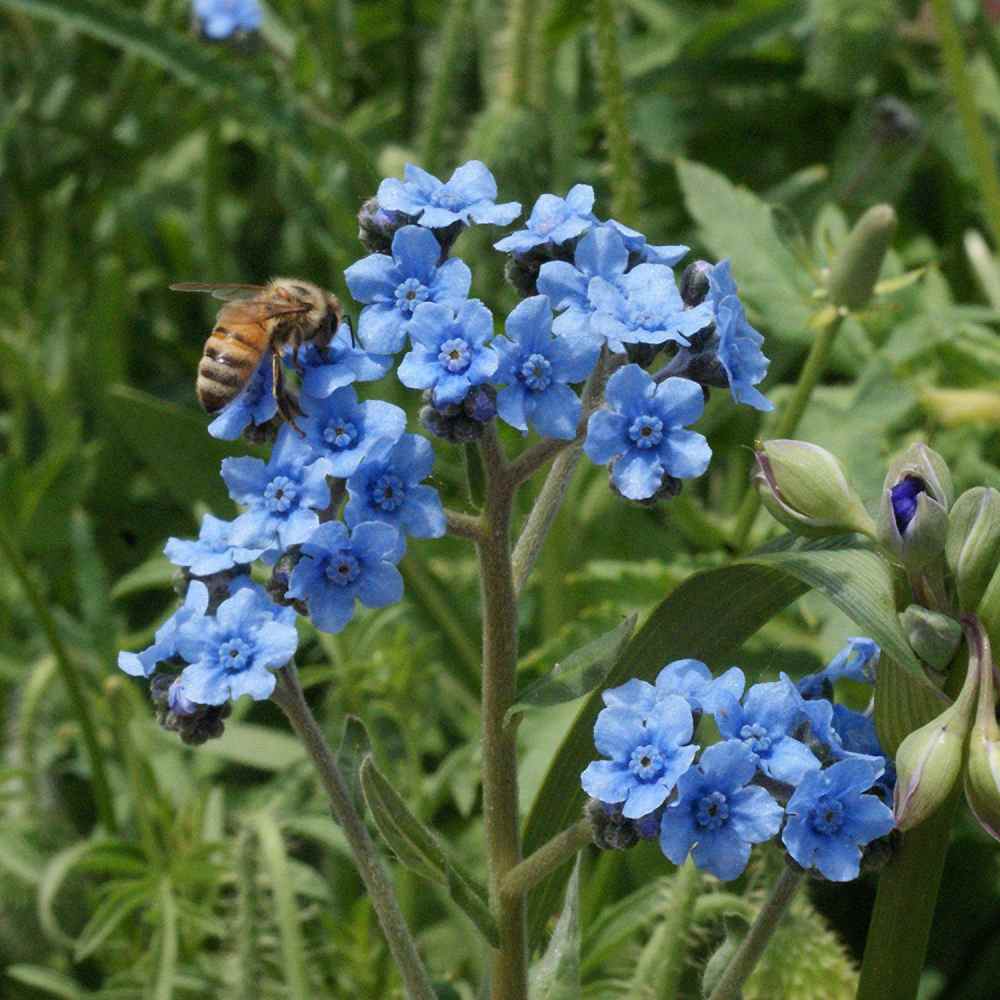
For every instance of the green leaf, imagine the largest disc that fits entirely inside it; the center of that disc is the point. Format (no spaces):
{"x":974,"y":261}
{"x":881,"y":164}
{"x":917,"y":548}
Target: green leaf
{"x":46,"y":980}
{"x":619,"y":922}
{"x":735,"y":223}
{"x":56,"y":873}
{"x":355,"y":745}
{"x":156,"y":573}
{"x":257,"y":746}
{"x":577,"y":675}
{"x":557,"y":975}
{"x":418,"y":848}
{"x":902,"y":704}
{"x":166,"y":971}
{"x":120,"y":903}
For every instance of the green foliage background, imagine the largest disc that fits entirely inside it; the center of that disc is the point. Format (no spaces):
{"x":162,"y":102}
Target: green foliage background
{"x":133,"y":155}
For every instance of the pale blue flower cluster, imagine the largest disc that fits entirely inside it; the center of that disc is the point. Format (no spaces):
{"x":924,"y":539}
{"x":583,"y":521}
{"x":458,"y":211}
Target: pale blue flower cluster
{"x":806,"y":769}
{"x":220,"y":19}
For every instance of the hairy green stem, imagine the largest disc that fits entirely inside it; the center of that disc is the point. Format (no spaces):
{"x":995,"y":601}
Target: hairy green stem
{"x":450,"y":53}
{"x":516,"y":85}
{"x":508,"y":963}
{"x":755,"y":943}
{"x":812,"y":372}
{"x":687,"y":888}
{"x":975,"y":135}
{"x":71,"y":678}
{"x":614,"y":107}
{"x":290,"y":698}
{"x":560,"y":849}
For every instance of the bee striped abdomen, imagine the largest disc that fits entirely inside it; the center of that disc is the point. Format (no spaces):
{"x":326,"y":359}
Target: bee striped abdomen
{"x":232,"y":353}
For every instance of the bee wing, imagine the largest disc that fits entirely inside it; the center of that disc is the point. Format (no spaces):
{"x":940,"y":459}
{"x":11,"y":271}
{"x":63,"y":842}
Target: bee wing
{"x":258,"y":310}
{"x":225,"y":292}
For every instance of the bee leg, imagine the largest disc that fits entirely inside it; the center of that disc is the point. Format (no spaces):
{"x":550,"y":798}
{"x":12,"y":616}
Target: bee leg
{"x":288,"y":407}
{"x":297,"y":343}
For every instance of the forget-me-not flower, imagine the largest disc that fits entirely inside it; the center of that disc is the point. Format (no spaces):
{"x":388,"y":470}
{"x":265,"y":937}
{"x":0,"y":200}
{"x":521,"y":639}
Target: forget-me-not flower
{"x":338,"y":567}
{"x":690,"y":679}
{"x":830,"y":818}
{"x":282,"y":495}
{"x":394,"y":286}
{"x":648,"y":753}
{"x":388,"y":487}
{"x":212,"y":552}
{"x":535,"y":369}
{"x":255,"y":405}
{"x":645,"y":252}
{"x":449,"y":353}
{"x":236,"y":650}
{"x":338,"y":364}
{"x":468,"y":196}
{"x":344,"y":431}
{"x":553,"y":220}
{"x":716,"y":817}
{"x":164,"y":645}
{"x":856,"y":661}
{"x":221,"y":18}
{"x":642,"y":432}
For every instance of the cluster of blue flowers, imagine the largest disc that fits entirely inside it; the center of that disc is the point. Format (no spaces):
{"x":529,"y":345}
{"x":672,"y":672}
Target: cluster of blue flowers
{"x":221,"y":19}
{"x":601,"y":300}
{"x":789,"y":761}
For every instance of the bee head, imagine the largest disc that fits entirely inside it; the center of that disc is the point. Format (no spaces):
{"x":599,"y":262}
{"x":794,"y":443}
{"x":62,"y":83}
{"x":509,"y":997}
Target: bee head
{"x":324,"y":314}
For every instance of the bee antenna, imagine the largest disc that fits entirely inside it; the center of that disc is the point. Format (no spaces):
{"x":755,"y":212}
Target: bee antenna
{"x":350,"y":330}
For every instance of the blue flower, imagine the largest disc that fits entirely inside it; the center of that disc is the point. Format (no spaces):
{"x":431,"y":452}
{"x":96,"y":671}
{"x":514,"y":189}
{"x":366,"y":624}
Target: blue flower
{"x":856,"y":661}
{"x":221,"y":18}
{"x":449,"y":351}
{"x":468,"y":196}
{"x":282,"y":496}
{"x":212,"y":552}
{"x":830,"y":818}
{"x":643,"y":432}
{"x":164,"y":645}
{"x":338,"y":364}
{"x":337,"y":567}
{"x":387,"y":488}
{"x":553,"y":220}
{"x":716,"y":816}
{"x":635,"y":243}
{"x":235,"y":651}
{"x":770,"y":713}
{"x":394,"y":286}
{"x":738,"y":346}
{"x":255,"y":405}
{"x":344,"y":431}
{"x":536,"y":367}
{"x":648,"y":752}
{"x":690,"y":679}
{"x":643,"y":306}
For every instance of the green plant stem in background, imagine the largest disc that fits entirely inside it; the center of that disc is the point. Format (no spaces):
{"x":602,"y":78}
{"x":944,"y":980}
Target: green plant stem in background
{"x":812,"y":372}
{"x":677,"y":928}
{"x":71,"y":678}
{"x":560,"y":849}
{"x":290,"y":698}
{"x":614,"y":108}
{"x":516,"y":82}
{"x":508,"y":976}
{"x":760,"y":932}
{"x":975,"y":135}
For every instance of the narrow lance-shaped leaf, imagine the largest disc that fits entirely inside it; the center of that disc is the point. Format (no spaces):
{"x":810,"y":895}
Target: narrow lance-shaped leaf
{"x":557,"y":975}
{"x":579,"y":674}
{"x":355,"y":746}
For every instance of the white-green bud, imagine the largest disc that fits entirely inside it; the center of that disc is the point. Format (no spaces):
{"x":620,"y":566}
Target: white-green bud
{"x":805,"y":488}
{"x":973,"y":545}
{"x":933,"y":635}
{"x":855,"y":272}
{"x":982,"y":770}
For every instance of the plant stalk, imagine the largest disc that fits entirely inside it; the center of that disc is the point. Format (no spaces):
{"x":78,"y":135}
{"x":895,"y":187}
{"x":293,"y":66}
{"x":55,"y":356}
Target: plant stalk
{"x":550,"y":856}
{"x":290,"y":698}
{"x":754,"y":944}
{"x":687,"y":887}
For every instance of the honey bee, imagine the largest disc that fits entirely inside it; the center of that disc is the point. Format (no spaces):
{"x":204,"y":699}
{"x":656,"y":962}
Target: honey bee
{"x":256,"y":319}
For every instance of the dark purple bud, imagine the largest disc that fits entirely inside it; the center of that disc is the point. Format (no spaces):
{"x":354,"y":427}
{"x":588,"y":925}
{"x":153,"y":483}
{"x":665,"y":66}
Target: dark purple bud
{"x":648,"y":826}
{"x":694,"y":282}
{"x":481,"y":403}
{"x":178,"y":703}
{"x":904,"y":500}
{"x":376,"y":226}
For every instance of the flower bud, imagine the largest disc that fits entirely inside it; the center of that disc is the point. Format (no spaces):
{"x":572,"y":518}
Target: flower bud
{"x":913,"y":518}
{"x":932,"y":635}
{"x":856,"y":269}
{"x":989,"y":608}
{"x":982,"y":774}
{"x":694,"y":283}
{"x":377,"y":226}
{"x":805,"y":488}
{"x":929,"y":760}
{"x":973,"y":544}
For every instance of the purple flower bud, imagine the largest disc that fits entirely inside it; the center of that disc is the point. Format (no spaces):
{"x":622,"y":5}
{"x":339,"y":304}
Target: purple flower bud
{"x":904,"y":500}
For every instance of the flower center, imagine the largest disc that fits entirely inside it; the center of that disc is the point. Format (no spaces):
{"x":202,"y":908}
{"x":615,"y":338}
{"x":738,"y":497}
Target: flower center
{"x":410,"y":294}
{"x":451,"y":200}
{"x":642,"y":318}
{"x":646,"y":432}
{"x":388,"y":493}
{"x":454,"y":355}
{"x":646,"y":762}
{"x":280,"y":494}
{"x":827,"y":816}
{"x":756,"y":738}
{"x":712,"y":811}
{"x":234,"y":655}
{"x":343,"y":569}
{"x":340,"y":434}
{"x":536,"y":373}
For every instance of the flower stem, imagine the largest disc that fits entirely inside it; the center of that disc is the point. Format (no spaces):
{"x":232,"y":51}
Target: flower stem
{"x":687,"y":888}
{"x":508,"y":974}
{"x":755,"y":943}
{"x":560,"y":849}
{"x":786,"y":426}
{"x":520,"y":39}
{"x":288,"y":695}
{"x":975,"y":135}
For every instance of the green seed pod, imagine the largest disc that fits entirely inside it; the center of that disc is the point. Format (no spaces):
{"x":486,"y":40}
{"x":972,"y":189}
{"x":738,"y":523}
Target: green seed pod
{"x":932,"y":635}
{"x":855,"y":272}
{"x":805,"y":488}
{"x":929,"y":760}
{"x":982,"y":774}
{"x":973,"y":545}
